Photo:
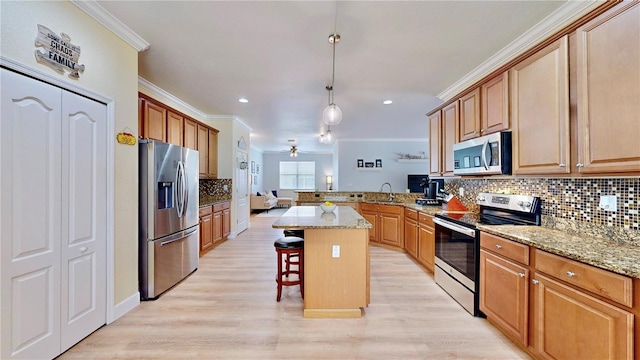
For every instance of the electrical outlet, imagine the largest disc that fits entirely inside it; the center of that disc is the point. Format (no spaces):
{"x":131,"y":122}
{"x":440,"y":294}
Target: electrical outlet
{"x":461,"y":191}
{"x":608,"y":203}
{"x":335,"y":251}
{"x":225,"y":187}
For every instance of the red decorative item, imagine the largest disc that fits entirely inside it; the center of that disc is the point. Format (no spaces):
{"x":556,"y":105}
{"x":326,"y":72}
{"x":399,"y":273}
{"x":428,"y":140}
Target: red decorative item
{"x":454,"y":205}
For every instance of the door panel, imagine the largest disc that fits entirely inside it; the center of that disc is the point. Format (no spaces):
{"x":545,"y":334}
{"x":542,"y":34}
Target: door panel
{"x":30,"y":149}
{"x":83,"y":286}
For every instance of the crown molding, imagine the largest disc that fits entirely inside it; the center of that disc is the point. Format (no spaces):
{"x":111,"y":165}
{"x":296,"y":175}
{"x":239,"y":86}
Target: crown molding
{"x":562,"y":17}
{"x":384,"y":140}
{"x":161,"y":94}
{"x":112,"y":23}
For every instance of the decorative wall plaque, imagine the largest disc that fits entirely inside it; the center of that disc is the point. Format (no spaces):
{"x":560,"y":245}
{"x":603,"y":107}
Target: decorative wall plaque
{"x":59,"y":53}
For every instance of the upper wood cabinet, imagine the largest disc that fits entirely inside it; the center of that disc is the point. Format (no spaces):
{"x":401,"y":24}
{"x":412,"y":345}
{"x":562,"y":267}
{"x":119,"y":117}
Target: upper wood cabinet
{"x":470,"y":115}
{"x":608,"y":89}
{"x":190,"y":134}
{"x":443,"y":127}
{"x":175,"y":128}
{"x":159,"y":122}
{"x":154,"y":121}
{"x":540,"y":111}
{"x":494,"y":96}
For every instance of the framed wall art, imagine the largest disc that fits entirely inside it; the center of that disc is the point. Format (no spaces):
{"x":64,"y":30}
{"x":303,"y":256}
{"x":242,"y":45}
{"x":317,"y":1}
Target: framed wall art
{"x":253,"y":167}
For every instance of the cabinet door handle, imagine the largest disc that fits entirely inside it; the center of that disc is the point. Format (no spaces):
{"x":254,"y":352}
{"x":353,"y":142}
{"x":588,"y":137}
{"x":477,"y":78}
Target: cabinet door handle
{"x":534,"y":282}
{"x":579,"y":165}
{"x":562,"y":165}
{"x":498,"y":246}
{"x":571,"y":274}
{"x":521,"y":275}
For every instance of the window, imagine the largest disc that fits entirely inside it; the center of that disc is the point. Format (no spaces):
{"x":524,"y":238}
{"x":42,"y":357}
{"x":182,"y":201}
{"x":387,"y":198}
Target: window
{"x":298,"y":175}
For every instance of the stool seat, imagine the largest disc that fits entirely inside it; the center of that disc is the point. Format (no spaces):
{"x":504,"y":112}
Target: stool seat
{"x":289,"y":242}
{"x":294,"y":232}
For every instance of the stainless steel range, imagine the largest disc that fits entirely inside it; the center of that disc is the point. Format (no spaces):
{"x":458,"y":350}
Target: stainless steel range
{"x":458,"y":242}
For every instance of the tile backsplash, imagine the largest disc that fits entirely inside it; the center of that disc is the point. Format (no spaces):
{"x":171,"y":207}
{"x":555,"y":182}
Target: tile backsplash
{"x":214,"y":190}
{"x":570,"y":204}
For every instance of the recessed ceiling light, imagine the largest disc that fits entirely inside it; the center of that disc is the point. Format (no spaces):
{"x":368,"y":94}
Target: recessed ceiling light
{"x":243,"y":100}
{"x":387,"y":102}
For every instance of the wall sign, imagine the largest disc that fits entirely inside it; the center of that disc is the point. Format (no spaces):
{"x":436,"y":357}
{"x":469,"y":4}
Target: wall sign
{"x":59,"y":53}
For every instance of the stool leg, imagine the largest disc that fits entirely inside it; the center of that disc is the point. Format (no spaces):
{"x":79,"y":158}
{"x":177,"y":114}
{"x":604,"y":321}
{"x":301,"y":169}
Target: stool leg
{"x":279,"y":276}
{"x":301,"y":271}
{"x":287,"y":262}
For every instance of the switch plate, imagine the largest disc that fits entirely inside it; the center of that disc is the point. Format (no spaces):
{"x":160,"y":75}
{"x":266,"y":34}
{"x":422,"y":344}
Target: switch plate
{"x":608,"y":203}
{"x":335,"y":251}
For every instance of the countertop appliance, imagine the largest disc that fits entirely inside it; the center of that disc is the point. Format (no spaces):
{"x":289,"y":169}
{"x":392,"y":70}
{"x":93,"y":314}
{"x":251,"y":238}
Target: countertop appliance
{"x":484,"y":155}
{"x":458,"y":242}
{"x":430,"y":189}
{"x":168,"y":216}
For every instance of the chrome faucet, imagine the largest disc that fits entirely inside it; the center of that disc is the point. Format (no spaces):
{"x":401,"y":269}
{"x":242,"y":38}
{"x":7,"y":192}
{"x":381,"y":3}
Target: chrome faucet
{"x":391,"y":196}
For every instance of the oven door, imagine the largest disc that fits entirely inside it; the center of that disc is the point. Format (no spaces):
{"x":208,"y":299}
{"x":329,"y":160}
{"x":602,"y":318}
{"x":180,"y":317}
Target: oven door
{"x":457,"y":247}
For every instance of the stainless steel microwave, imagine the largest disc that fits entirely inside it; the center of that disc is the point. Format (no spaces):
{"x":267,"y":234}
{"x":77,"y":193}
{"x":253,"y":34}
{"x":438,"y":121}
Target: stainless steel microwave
{"x":484,"y":155}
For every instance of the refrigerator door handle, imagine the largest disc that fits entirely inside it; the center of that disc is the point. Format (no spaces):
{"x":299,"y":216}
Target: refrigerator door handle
{"x":178,"y":236}
{"x":185,"y":189}
{"x":179,"y":189}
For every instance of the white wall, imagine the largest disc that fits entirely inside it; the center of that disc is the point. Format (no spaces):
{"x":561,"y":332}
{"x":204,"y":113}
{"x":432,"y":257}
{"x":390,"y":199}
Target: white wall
{"x":352,"y":178}
{"x":111,"y":71}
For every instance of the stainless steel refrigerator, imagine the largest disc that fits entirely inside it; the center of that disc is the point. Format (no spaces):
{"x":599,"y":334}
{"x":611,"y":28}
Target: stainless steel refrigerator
{"x":168,"y":215}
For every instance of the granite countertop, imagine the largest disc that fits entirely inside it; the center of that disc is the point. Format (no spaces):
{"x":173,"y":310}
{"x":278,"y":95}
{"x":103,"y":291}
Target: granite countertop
{"x":211,"y":200}
{"x":606,"y":254}
{"x":312,"y":217}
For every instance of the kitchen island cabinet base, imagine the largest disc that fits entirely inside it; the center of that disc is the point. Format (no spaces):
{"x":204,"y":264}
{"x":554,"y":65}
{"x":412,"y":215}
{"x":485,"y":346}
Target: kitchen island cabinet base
{"x":336,"y":287}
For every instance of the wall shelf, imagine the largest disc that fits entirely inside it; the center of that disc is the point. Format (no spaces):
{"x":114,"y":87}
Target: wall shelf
{"x":412,"y":160}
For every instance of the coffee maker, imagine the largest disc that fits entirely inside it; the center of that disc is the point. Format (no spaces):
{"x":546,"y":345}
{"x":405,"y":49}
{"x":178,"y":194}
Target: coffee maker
{"x":430,"y":188}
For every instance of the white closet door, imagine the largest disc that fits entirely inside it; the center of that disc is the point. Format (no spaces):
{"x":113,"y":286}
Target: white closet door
{"x":84,"y":161}
{"x":30,"y":182}
{"x":53,"y":218}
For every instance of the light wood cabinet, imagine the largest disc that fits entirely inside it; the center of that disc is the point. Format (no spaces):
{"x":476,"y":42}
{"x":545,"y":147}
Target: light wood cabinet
{"x":571,"y":324}
{"x":608,"y":91}
{"x":504,"y":285}
{"x":388,"y":223}
{"x":190,"y":134}
{"x":426,"y":241}
{"x":162,"y":123}
{"x":215,"y":225}
{"x":175,"y":128}
{"x":539,"y":88}
{"x":154,"y":121}
{"x":206,"y":229}
{"x":443,"y":129}
{"x":411,"y":232}
{"x":212,"y":155}
{"x":470,"y":115}
{"x":494,"y":97}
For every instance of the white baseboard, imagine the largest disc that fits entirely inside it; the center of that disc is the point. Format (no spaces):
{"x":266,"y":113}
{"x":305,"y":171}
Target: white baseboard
{"x":125,"y":306}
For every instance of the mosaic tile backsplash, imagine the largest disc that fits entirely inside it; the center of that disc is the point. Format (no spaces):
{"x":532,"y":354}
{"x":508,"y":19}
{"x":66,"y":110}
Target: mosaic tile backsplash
{"x":569,"y":204}
{"x":213,"y":190}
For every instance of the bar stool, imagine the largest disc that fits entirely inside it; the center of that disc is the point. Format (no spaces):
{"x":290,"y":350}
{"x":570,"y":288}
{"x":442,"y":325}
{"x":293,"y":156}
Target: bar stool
{"x":290,"y":250}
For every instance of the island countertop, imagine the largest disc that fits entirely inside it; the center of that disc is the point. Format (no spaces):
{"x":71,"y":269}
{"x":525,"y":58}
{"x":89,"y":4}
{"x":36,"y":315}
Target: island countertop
{"x":312,"y":217}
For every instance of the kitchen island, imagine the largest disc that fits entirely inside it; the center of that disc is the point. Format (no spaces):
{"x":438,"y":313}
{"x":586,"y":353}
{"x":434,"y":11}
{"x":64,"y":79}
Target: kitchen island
{"x":336,"y":259}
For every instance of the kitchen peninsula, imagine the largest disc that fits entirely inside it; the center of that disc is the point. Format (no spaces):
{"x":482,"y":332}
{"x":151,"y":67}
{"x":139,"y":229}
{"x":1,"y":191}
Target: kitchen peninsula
{"x":336,"y":259}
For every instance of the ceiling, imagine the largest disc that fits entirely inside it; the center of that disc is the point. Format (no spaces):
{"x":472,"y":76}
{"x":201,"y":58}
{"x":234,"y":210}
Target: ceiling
{"x":276,"y":54}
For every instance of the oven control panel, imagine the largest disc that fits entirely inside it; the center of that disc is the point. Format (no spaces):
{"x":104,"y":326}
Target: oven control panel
{"x":524,"y":203}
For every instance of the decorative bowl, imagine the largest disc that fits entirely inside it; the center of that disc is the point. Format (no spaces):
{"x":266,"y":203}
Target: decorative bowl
{"x":327,"y":209}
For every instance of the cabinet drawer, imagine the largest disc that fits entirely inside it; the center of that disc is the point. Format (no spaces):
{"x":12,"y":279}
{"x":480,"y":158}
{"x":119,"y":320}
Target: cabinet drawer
{"x":204,"y":210}
{"x":220,"y":206}
{"x":411,"y":214}
{"x":507,"y":248}
{"x":425,"y":219}
{"x":389,"y":209}
{"x":598,"y":281}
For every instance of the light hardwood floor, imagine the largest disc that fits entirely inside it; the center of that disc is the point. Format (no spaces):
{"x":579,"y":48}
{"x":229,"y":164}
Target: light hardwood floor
{"x":227,"y":309}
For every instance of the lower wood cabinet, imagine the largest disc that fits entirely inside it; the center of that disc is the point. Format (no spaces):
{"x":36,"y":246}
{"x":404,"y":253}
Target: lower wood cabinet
{"x":426,"y":241}
{"x":411,"y":232}
{"x":555,"y":307}
{"x":215,"y":225}
{"x":387,"y":221}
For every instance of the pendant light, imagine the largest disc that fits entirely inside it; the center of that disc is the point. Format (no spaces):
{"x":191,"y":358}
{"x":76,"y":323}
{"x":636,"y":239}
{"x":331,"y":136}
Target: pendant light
{"x":328,"y":137}
{"x":332,"y":114}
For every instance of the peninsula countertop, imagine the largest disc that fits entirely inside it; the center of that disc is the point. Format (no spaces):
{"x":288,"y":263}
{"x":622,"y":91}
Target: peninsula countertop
{"x":312,"y":217}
